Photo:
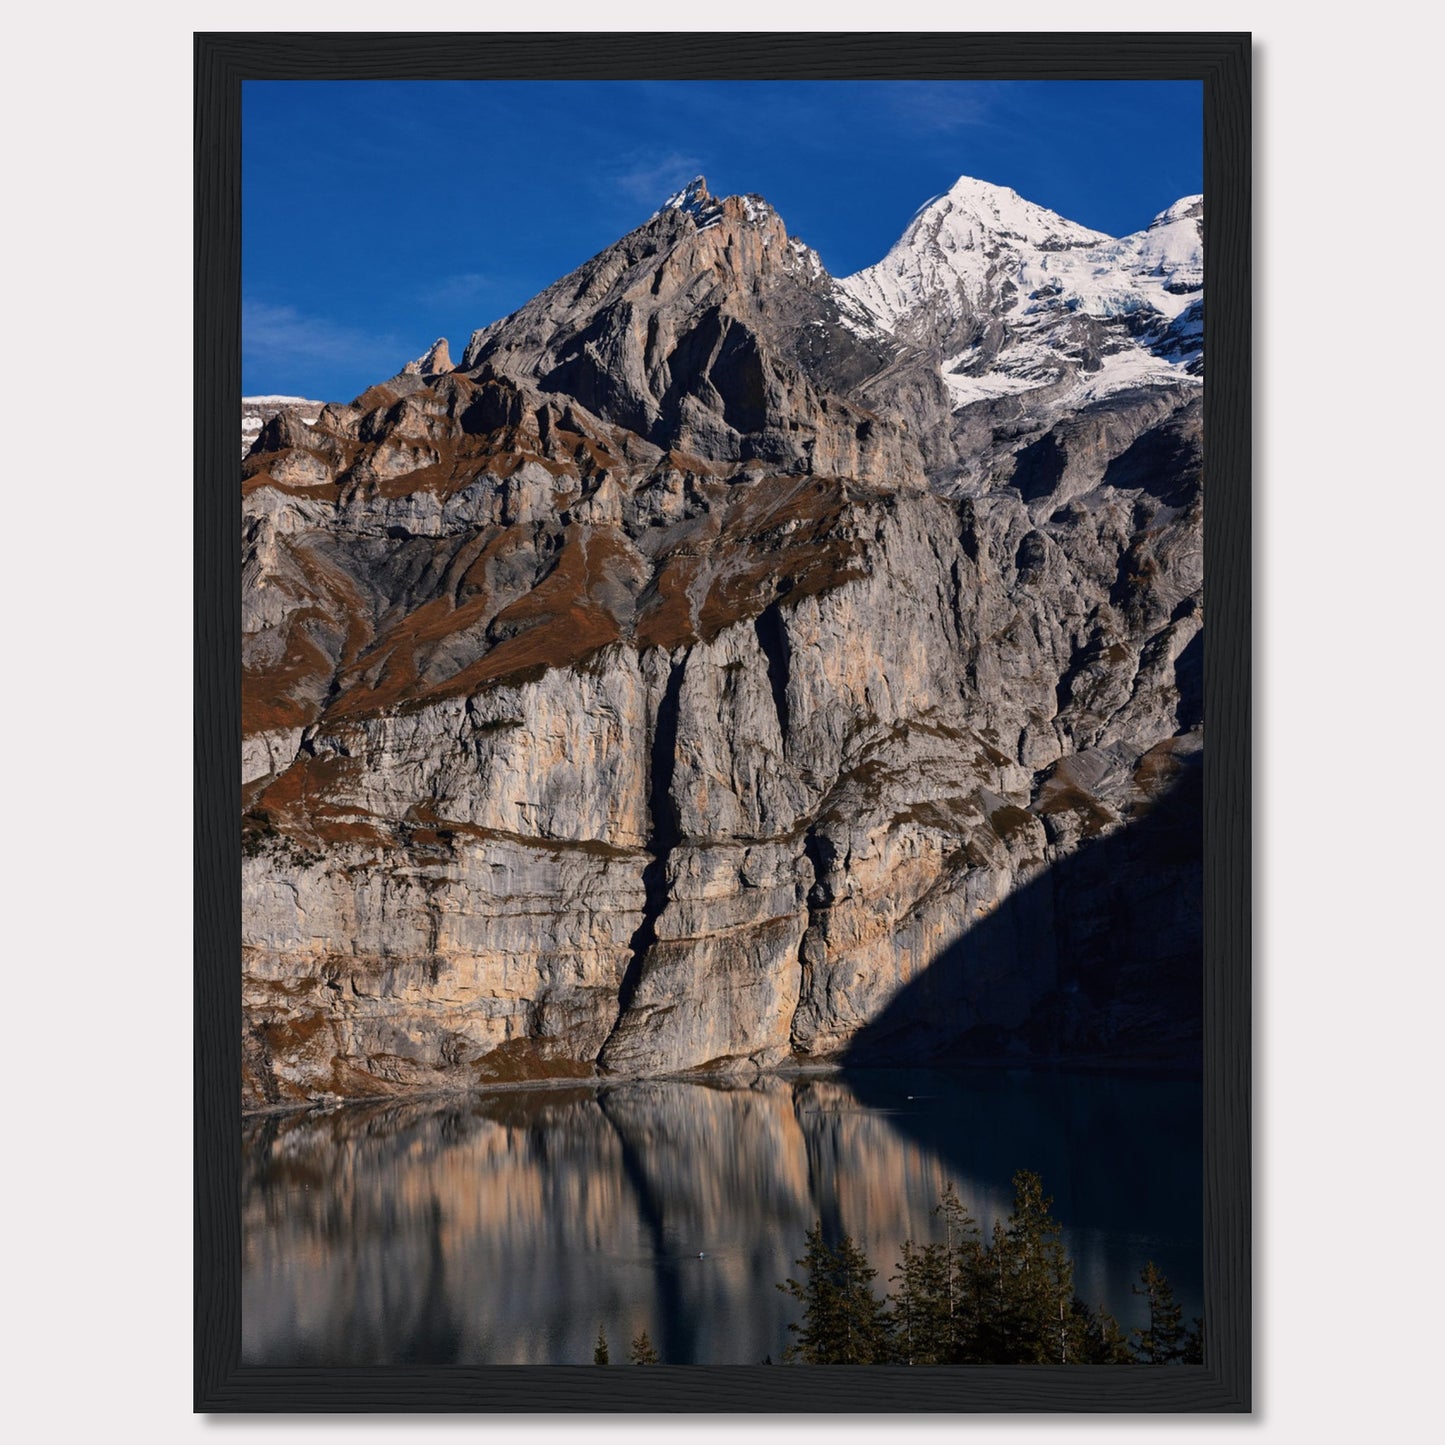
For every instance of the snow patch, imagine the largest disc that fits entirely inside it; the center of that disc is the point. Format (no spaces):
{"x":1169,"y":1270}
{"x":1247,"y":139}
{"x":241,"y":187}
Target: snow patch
{"x":1124,"y":370}
{"x":965,"y":390}
{"x":812,"y":262}
{"x":756,"y":209}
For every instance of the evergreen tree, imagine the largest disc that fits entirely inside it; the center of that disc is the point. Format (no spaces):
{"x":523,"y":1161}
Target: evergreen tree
{"x":961,"y":1306}
{"x":642,"y":1352}
{"x":1102,"y":1342}
{"x":599,"y":1354}
{"x":935,"y":1314}
{"x":843,"y":1323}
{"x":1165,"y":1340}
{"x":919,"y":1329}
{"x":963,"y":1301}
{"x":993,"y":1287}
{"x":818,"y":1295}
{"x":1028,"y":1284}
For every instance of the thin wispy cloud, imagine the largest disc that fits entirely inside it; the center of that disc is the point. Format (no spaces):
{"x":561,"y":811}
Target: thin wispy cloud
{"x":648,"y":179}
{"x":942,"y":107}
{"x":457,"y":289}
{"x":282,"y":336}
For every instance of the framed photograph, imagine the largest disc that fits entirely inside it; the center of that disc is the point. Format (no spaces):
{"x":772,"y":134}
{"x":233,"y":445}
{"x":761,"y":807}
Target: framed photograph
{"x":739,"y":897}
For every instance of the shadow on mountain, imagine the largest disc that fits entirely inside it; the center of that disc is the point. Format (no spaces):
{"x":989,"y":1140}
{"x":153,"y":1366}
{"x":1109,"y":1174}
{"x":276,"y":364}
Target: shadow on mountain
{"x":1165,"y":461}
{"x":1108,"y":943}
{"x":1039,"y":467}
{"x":1121,"y":1154}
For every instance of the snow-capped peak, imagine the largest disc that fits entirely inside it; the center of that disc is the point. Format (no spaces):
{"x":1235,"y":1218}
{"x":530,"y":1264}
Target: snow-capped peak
{"x":1020,"y":299}
{"x":978,"y":244}
{"x":1001,"y":211}
{"x":694,"y":198}
{"x":958,"y":246}
{"x":1186,"y":208}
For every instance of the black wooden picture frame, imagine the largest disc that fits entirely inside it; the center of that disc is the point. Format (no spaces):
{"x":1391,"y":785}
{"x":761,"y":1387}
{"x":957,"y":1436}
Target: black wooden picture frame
{"x":1222,"y":62}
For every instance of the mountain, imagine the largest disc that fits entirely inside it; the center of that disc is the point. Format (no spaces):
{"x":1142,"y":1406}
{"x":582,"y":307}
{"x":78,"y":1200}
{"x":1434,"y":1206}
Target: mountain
{"x":700,"y":675}
{"x":981,"y":254}
{"x":256,"y":411}
{"x":1032,"y":318}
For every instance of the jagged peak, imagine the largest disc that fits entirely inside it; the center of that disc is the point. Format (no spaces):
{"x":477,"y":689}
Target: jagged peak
{"x":436,"y":361}
{"x":694,"y":198}
{"x":706,"y":209}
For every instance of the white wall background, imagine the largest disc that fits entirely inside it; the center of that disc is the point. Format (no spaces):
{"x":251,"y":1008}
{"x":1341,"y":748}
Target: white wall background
{"x":96,"y":713}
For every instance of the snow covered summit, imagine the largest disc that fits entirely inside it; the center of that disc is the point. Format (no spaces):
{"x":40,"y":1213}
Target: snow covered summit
{"x":1018,"y":299}
{"x":979,"y":244}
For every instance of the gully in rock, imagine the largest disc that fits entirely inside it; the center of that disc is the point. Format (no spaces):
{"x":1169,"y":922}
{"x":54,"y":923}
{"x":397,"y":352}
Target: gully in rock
{"x":662,"y":837}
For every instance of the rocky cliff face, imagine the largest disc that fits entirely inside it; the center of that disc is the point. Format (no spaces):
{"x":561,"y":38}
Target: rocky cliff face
{"x":696,"y":676}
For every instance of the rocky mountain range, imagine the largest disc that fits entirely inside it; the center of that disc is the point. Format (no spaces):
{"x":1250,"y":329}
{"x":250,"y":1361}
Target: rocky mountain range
{"x":725,"y":666}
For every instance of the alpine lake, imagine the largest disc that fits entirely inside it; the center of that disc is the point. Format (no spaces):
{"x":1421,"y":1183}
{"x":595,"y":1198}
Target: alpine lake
{"x":509,"y":1227}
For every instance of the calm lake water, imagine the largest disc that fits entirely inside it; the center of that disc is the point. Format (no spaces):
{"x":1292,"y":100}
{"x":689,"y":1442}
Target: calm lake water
{"x":503,"y":1229}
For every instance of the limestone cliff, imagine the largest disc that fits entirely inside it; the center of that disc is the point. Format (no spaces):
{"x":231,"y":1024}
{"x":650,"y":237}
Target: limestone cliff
{"x":692,"y":678}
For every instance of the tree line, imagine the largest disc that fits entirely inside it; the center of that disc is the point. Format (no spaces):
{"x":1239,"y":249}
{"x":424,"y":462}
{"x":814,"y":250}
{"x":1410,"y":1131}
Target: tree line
{"x":1007,"y":1299}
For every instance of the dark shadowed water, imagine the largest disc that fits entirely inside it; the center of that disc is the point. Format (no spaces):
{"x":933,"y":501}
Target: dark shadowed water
{"x":505,"y":1228}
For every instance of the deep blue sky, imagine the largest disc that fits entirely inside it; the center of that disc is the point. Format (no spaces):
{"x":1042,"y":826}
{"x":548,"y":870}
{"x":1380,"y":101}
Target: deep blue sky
{"x":379,"y":215}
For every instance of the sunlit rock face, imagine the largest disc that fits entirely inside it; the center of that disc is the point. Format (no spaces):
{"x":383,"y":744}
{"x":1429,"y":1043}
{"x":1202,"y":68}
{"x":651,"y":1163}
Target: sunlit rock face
{"x":694,"y":677}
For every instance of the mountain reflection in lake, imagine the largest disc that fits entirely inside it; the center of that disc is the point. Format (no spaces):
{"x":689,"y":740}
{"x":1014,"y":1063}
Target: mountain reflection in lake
{"x":505,"y":1228}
